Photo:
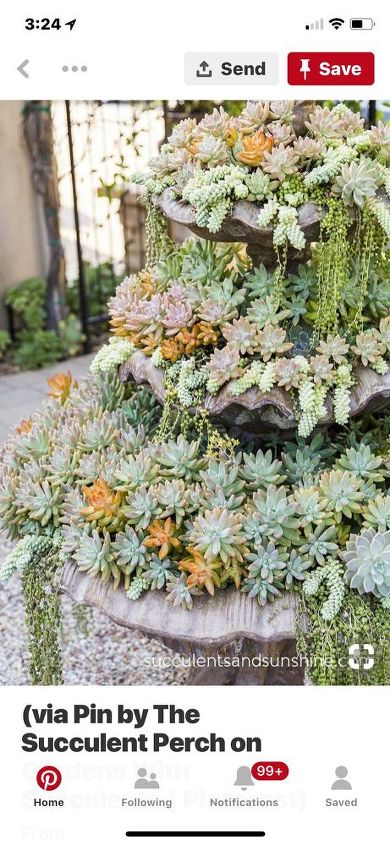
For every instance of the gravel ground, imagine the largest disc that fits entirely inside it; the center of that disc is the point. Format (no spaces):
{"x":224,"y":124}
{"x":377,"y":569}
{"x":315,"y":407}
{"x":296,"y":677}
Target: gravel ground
{"x":108,"y":655}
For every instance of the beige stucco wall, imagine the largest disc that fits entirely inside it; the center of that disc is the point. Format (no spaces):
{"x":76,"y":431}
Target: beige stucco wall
{"x":23,"y":250}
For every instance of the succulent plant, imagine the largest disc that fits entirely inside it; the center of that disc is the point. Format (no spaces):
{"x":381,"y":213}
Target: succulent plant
{"x":162,"y":535}
{"x":158,"y":572}
{"x":178,"y":591}
{"x":356,"y":181}
{"x":320,"y":543}
{"x":129,"y":549}
{"x":369,"y":347}
{"x":103,"y":506}
{"x":362,"y":463}
{"x":376,"y":513}
{"x":259,"y":470}
{"x":281,"y":162}
{"x":261,"y":590}
{"x":218,"y":534}
{"x":180,"y":459}
{"x":272,"y":341}
{"x":367,"y":561}
{"x":242,"y":335}
{"x":138,"y":585}
{"x":296,"y":569}
{"x":202,"y":573}
{"x":223,"y":365}
{"x":267,"y":562}
{"x":334,"y":348}
{"x":276,"y":514}
{"x":142,"y":507}
{"x":342,"y":493}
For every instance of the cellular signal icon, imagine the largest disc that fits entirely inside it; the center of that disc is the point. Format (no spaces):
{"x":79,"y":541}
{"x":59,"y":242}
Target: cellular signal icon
{"x":316,"y":24}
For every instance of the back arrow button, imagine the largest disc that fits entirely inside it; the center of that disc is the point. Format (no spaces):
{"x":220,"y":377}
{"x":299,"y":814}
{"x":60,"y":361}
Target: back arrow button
{"x":21,"y":69}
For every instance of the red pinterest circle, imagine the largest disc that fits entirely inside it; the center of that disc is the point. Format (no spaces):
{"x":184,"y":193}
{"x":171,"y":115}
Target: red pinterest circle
{"x":49,"y":778}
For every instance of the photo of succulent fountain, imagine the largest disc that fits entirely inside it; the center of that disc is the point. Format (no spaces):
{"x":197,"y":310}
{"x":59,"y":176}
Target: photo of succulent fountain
{"x":223,"y":474}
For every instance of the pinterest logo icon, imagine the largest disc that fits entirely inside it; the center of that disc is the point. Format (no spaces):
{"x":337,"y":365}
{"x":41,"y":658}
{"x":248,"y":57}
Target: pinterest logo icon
{"x":49,"y":778}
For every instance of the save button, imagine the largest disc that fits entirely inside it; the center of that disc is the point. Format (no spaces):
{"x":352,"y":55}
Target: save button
{"x":331,"y":68}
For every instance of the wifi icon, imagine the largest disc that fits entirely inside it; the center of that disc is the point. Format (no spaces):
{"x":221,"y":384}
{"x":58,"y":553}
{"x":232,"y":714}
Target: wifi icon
{"x":336,"y":22}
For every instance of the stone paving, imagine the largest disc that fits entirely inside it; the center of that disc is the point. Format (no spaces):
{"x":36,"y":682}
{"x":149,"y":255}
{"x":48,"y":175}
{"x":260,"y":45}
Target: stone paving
{"x":22,"y":393}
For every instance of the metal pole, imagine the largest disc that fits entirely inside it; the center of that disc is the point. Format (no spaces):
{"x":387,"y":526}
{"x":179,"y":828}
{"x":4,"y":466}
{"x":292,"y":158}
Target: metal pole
{"x":371,"y":112}
{"x":83,"y":298}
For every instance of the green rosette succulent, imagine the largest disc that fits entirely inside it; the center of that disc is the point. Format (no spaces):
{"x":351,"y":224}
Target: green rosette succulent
{"x":367,"y":561}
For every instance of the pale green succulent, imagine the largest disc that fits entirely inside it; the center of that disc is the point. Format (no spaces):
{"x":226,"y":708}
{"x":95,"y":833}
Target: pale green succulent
{"x":260,"y":283}
{"x":259,"y":470}
{"x":310,"y":506}
{"x":376,"y":513}
{"x":305,"y":460}
{"x":143,"y":507}
{"x":172,"y":497}
{"x":94,"y":555}
{"x":367,"y":559}
{"x":129,"y":549}
{"x":178,"y":591}
{"x":320,"y":543}
{"x":222,"y":475}
{"x":276,"y":514}
{"x":342,"y":493}
{"x":99,"y":433}
{"x":218,"y":534}
{"x":296,"y":569}
{"x":41,"y":502}
{"x":356,"y":181}
{"x":266,"y":312}
{"x":159,"y":572}
{"x":362,"y":462}
{"x":134,"y":472}
{"x":267,"y":563}
{"x":261,"y":590}
{"x":180,"y":459}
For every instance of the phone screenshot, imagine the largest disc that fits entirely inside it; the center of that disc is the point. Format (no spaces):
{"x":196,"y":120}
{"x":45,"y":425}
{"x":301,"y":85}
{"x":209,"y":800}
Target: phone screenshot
{"x":194,"y":423}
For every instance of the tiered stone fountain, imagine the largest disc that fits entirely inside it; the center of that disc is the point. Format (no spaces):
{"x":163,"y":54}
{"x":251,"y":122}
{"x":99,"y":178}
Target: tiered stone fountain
{"x":229,"y":625}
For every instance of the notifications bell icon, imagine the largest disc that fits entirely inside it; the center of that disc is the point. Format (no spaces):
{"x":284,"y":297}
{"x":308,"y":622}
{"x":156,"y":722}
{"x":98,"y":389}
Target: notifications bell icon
{"x":244,"y":778}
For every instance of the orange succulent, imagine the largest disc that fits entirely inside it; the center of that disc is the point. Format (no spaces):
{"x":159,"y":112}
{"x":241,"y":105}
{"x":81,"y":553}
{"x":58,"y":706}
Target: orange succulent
{"x":206,"y":334}
{"x":253,"y":148}
{"x":146,"y":282}
{"x":162,"y":535}
{"x":148,"y":343}
{"x":103,"y":503}
{"x":231,"y":136}
{"x":202,"y":574}
{"x":24,"y":426}
{"x":171,"y":349}
{"x":60,"y":385}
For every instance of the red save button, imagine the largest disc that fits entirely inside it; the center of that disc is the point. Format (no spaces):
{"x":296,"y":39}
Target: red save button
{"x":331,"y":68}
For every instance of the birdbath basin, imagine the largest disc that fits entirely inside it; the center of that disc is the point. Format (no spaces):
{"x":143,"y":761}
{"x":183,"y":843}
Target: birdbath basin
{"x":223,"y":635}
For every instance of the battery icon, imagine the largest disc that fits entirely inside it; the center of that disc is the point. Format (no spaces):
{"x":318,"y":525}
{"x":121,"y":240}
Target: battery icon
{"x":361,"y":23}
